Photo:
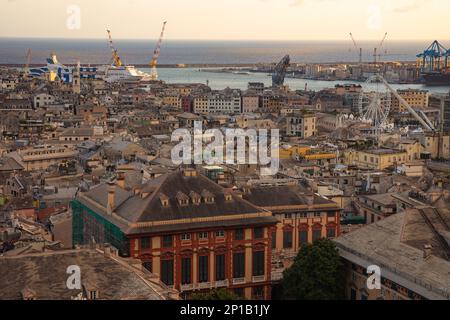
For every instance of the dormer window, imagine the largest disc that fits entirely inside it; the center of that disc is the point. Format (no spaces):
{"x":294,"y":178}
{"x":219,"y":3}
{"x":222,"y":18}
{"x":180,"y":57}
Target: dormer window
{"x":195,"y":197}
{"x":228,"y":197}
{"x":183,"y":200}
{"x":164,"y":200}
{"x":207,"y":196}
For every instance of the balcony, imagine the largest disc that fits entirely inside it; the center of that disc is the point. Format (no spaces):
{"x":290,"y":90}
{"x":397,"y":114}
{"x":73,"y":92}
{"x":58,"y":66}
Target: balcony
{"x":186,"y":287}
{"x":208,"y":285}
{"x":277,"y":274}
{"x":259,"y":278}
{"x":238,"y":281}
{"x":204,"y":285}
{"x":221,"y":284}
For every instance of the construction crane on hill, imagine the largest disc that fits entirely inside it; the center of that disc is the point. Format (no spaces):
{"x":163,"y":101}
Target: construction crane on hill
{"x":154,"y":62}
{"x":117,"y":62}
{"x":356,"y":47}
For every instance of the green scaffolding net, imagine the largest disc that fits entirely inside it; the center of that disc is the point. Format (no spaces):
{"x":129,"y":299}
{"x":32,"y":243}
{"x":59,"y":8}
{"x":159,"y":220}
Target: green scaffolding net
{"x":87,"y":225}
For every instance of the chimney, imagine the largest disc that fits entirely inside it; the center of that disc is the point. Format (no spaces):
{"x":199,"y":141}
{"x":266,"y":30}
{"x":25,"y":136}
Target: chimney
{"x":309,"y":199}
{"x":121,"y":179}
{"x":111,"y":198}
{"x":427,"y":251}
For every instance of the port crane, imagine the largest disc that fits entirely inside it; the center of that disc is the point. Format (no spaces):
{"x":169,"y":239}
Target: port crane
{"x":375,"y":50}
{"x":156,"y":53}
{"x":435,"y":58}
{"x":279,"y":73}
{"x":117,"y":62}
{"x":356,"y":47}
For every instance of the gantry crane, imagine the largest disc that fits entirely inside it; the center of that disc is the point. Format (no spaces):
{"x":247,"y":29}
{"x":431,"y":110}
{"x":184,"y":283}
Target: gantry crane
{"x":435,"y":58}
{"x":356,"y":47}
{"x":154,"y":62}
{"x":117,"y":62}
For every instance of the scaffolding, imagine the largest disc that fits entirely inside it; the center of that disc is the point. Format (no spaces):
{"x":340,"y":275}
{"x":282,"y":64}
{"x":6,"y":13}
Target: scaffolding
{"x":87,"y":225}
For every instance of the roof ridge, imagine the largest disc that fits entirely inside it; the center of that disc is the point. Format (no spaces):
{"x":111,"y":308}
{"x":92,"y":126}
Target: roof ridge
{"x":153,"y":194}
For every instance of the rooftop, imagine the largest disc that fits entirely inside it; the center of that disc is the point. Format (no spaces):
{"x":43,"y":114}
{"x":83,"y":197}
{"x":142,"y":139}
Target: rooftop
{"x":145,"y":205}
{"x":45,"y":274}
{"x":396,"y":245}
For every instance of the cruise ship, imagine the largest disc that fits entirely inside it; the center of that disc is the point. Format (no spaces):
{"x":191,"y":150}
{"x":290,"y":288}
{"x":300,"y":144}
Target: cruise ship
{"x":53,"y":70}
{"x":110,"y":73}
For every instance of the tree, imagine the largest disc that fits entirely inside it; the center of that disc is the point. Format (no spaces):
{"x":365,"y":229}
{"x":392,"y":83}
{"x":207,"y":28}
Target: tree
{"x":220,"y":294}
{"x":317,"y":274}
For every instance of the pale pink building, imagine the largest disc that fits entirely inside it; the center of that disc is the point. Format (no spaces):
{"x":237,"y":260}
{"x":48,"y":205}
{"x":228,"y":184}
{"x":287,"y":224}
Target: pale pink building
{"x":250,"y":103}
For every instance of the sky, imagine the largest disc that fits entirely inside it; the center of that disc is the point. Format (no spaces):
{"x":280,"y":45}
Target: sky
{"x":227,"y":19}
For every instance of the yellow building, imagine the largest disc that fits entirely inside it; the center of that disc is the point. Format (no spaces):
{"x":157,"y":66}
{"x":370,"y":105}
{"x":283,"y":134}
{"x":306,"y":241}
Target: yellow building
{"x":436,"y":147}
{"x":415,"y":98}
{"x":42,"y":157}
{"x":303,"y":217}
{"x":412,"y":147}
{"x":378,"y":159}
{"x":172,"y":100}
{"x":301,"y":125}
{"x":305,"y":152}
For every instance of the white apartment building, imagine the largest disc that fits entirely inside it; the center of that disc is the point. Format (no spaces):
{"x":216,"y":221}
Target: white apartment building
{"x":218,"y":103}
{"x":201,"y":104}
{"x":43,"y":99}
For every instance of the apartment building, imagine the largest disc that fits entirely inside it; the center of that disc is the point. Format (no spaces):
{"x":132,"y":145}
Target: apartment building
{"x":414,"y":97}
{"x":374,"y":207}
{"x":41,"y":157}
{"x":200,"y":104}
{"x":229,"y":103}
{"x":250,"y":103}
{"x":411,"y":251}
{"x":301,"y":125}
{"x":303,"y":217}
{"x":378,"y":159}
{"x":271,"y":102}
{"x":16,"y":105}
{"x":43,"y":99}
{"x":172,"y":100}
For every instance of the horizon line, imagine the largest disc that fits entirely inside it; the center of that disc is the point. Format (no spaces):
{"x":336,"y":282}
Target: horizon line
{"x":217,"y":40}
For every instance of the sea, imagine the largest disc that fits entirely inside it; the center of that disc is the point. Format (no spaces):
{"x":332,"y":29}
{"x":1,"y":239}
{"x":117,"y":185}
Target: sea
{"x":96,"y":51}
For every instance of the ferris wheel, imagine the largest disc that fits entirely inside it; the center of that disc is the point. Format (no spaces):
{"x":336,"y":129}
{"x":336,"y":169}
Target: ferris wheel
{"x":374,"y":106}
